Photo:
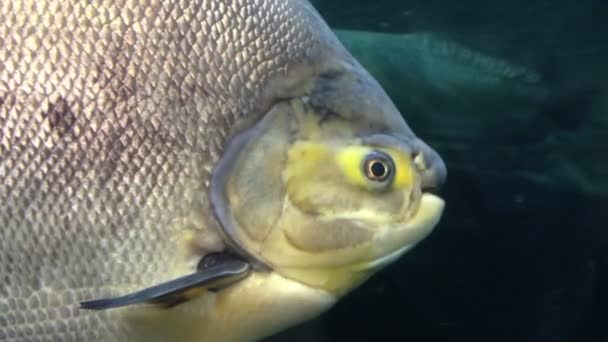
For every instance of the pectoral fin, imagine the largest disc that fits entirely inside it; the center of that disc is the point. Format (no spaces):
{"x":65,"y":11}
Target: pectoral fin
{"x":214,"y":272}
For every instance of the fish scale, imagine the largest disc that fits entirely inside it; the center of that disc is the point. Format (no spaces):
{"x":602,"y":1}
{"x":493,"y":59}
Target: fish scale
{"x":112,"y":115}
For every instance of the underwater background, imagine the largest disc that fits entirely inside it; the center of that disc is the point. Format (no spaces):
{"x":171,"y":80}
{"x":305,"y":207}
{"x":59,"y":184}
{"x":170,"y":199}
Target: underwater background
{"x":514,"y":96}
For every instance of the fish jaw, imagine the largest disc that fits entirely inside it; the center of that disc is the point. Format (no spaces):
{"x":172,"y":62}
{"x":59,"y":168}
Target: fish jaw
{"x":257,"y":307}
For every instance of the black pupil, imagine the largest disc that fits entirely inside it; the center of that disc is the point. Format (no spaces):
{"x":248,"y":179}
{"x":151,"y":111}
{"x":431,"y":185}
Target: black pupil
{"x":378,"y":169}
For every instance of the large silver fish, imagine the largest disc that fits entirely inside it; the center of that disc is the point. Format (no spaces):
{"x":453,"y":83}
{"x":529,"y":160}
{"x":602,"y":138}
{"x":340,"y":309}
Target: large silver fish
{"x":197,"y":170}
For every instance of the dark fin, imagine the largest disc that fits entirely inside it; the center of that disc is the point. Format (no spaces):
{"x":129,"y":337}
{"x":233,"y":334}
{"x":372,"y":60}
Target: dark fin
{"x":215,"y":271}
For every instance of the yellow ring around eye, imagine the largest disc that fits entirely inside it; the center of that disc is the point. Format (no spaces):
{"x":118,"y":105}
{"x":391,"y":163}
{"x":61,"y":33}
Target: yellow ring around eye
{"x":351,"y":158}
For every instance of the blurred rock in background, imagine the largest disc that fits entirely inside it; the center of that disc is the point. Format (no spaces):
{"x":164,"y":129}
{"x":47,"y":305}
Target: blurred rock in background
{"x":514,"y":95}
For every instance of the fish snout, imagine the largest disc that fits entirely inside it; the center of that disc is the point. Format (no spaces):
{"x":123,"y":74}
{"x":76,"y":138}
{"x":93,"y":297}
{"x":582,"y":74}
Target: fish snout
{"x":429,"y":165}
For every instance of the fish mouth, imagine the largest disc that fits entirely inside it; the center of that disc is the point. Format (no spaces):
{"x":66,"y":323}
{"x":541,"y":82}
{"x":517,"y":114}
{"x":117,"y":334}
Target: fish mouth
{"x":425,"y":206}
{"x":400,"y":239}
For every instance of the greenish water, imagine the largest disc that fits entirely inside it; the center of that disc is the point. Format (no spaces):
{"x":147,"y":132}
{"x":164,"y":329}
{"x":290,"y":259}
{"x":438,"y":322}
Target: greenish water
{"x":513,"y":94}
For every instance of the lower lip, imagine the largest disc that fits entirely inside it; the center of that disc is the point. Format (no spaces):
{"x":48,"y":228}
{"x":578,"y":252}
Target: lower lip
{"x":379,"y":263}
{"x":426,"y":215}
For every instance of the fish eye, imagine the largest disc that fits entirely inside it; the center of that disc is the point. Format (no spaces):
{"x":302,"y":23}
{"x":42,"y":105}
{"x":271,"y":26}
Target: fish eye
{"x":378,"y":167}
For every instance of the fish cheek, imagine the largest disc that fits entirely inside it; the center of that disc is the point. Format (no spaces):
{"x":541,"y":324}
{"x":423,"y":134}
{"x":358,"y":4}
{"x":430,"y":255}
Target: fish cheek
{"x":314,"y":235}
{"x":247,"y":189}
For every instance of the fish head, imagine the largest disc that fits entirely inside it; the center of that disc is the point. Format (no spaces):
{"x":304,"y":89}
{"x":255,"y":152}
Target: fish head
{"x":329,"y":186}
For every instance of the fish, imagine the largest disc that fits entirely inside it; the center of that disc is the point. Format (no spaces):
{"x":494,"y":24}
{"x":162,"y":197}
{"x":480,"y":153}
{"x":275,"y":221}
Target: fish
{"x":433,"y":78}
{"x":432,"y":65}
{"x":205,"y":170}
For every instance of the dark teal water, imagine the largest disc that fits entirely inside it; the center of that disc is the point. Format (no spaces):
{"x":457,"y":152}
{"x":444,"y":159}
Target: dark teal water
{"x":522,"y":251}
